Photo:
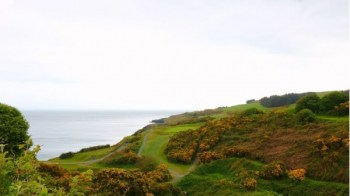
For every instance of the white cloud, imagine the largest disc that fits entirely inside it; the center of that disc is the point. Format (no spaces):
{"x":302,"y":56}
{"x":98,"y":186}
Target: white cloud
{"x":168,"y":55}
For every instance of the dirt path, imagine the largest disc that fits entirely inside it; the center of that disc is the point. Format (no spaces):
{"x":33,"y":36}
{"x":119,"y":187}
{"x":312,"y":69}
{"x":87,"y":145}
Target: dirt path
{"x":177,"y":176}
{"x":142,"y":145}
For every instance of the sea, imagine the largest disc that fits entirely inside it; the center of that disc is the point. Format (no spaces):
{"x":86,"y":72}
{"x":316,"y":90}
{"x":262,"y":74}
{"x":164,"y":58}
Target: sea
{"x":69,"y":131}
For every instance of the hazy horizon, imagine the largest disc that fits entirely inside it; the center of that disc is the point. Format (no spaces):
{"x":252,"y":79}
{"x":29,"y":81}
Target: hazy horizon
{"x":161,"y":55}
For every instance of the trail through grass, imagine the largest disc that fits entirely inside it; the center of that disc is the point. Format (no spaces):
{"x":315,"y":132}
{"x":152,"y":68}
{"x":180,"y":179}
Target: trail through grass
{"x":155,"y":144}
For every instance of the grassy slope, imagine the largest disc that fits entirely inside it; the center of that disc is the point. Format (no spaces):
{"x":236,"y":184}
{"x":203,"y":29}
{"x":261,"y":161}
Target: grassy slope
{"x":158,"y":136}
{"x":223,"y":177}
{"x":157,"y":140}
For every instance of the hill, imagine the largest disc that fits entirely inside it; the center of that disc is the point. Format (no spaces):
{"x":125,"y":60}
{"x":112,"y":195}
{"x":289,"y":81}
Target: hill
{"x":300,"y":146}
{"x":244,"y":149}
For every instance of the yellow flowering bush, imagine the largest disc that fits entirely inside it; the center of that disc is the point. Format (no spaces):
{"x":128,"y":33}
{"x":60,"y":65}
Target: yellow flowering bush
{"x":297,"y":174}
{"x":249,"y":183}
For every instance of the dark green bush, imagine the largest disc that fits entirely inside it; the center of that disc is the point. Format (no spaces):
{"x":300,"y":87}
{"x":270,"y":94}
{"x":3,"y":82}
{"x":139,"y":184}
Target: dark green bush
{"x":311,"y":102}
{"x":251,"y":111}
{"x":66,"y":155}
{"x":305,"y":116}
{"x":331,"y":100}
{"x":92,"y":148}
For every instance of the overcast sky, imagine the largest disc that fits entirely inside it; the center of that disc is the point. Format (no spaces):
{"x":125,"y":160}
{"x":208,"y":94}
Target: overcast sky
{"x":156,"y":54}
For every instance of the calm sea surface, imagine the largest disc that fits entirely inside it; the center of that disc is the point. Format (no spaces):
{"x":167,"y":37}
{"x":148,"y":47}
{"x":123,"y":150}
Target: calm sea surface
{"x":64,"y":131}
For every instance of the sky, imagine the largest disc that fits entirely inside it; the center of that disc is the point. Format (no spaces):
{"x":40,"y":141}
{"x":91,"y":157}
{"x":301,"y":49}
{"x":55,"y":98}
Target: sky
{"x":168,"y":55}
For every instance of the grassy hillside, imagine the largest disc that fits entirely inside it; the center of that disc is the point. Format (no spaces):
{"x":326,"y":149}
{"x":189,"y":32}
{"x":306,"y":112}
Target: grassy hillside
{"x":226,"y":177}
{"x":226,"y":151}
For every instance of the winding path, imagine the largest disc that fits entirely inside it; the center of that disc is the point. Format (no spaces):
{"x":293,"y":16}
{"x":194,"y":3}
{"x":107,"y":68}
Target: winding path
{"x":142,"y":145}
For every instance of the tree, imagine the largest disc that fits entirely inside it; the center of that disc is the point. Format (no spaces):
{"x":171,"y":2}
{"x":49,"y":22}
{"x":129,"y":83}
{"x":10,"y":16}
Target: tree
{"x":311,"y":102}
{"x":329,"y":101}
{"x":13,"y":130}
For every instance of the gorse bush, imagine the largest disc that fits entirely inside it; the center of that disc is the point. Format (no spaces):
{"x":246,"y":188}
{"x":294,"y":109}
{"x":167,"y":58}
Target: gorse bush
{"x":250,"y":184}
{"x":297,"y":174}
{"x":305,"y":116}
{"x":273,"y":170}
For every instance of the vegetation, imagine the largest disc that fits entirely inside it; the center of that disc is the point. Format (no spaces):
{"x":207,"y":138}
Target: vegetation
{"x":92,"y":148}
{"x":282,"y":100}
{"x":13,"y":130}
{"x":296,"y":149}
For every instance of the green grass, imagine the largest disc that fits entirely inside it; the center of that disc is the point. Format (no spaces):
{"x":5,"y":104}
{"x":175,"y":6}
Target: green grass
{"x":333,"y":118}
{"x":242,"y":107}
{"x":79,"y":158}
{"x":223,"y":177}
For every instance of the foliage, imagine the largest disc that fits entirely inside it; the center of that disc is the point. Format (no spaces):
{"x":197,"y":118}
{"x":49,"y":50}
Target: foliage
{"x":66,"y":155}
{"x":166,"y":189}
{"x":236,"y":152}
{"x":331,"y":100}
{"x":223,"y":177}
{"x":160,"y":173}
{"x":92,"y":148}
{"x":251,"y":111}
{"x":19,"y":175}
{"x":311,"y":102}
{"x":281,"y":100}
{"x":250,"y":101}
{"x":250,"y":184}
{"x":146,"y":163}
{"x":182,"y":146}
{"x":297,"y":174}
{"x":13,"y":130}
{"x":305,"y":116}
{"x":341,"y":109}
{"x":121,"y":158}
{"x":206,"y":157}
{"x":121,"y":182}
{"x":273,"y":170}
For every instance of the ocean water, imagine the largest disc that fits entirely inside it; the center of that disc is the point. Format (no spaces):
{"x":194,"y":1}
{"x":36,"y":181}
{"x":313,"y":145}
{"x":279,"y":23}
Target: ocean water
{"x":63,"y":131}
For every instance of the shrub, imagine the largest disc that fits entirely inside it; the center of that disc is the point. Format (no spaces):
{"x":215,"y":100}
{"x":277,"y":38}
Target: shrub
{"x":250,"y":101}
{"x":53,"y":170}
{"x":249,"y":183}
{"x":236,"y":152}
{"x":329,"y":101}
{"x":121,"y":182}
{"x":119,"y":158}
{"x":251,"y":111}
{"x":66,"y":155}
{"x":273,"y":170}
{"x":311,"y":102}
{"x":92,"y":148}
{"x":146,"y":163}
{"x":297,"y":174}
{"x":342,"y":109}
{"x":182,"y":146}
{"x":160,"y":174}
{"x":208,"y":156}
{"x":166,"y":189}
{"x":305,"y":116}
